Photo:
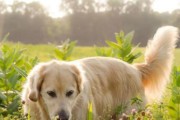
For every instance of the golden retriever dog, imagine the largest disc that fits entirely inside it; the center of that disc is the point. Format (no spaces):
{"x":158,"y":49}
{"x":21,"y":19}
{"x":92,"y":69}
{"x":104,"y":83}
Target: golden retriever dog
{"x":63,"y":90}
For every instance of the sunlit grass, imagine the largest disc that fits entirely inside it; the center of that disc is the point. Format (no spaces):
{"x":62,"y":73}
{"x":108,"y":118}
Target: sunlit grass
{"x":45,"y":52}
{"x":176,"y":56}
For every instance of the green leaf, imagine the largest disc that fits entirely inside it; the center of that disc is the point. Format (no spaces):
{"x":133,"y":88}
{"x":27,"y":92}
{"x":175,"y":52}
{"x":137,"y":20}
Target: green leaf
{"x":13,"y":106}
{"x":113,"y":44}
{"x":20,"y":71}
{"x":129,"y":36}
{"x":127,"y":50}
{"x":13,"y":81}
{"x":59,"y":54}
{"x":171,"y":108}
{"x":121,"y":53}
{"x":34,"y":61}
{"x":70,"y":48}
{"x":137,"y":55}
{"x":1,"y":62}
{"x":178,"y":81}
{"x":121,"y":34}
{"x":2,"y":75}
{"x":2,"y":96}
{"x":127,"y":44}
{"x":104,"y":52}
{"x":119,"y":37}
{"x":5,"y":49}
{"x":175,"y":95}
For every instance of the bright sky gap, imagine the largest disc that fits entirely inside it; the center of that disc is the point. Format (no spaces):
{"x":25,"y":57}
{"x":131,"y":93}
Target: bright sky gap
{"x":53,"y":8}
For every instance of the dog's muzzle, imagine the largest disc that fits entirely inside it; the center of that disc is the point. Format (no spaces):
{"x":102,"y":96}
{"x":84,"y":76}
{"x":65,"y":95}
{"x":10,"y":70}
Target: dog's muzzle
{"x":62,"y":115}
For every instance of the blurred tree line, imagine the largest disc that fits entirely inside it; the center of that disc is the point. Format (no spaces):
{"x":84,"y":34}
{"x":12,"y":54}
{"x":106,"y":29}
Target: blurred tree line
{"x":88,"y":21}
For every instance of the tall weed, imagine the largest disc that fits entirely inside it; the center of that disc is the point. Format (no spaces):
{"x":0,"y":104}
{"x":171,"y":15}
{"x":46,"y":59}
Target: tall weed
{"x":13,"y":71}
{"x":121,"y":49}
{"x":64,"y":51}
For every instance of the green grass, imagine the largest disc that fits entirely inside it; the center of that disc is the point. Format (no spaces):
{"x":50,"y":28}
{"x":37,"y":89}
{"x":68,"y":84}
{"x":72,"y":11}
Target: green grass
{"x":45,"y":52}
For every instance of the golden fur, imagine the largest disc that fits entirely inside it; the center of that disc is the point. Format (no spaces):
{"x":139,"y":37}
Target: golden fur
{"x":104,"y":82}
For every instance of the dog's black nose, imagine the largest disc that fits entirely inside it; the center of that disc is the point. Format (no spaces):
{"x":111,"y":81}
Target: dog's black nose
{"x":63,"y":115}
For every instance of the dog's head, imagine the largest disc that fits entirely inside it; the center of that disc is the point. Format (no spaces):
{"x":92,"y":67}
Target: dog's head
{"x":58,"y":84}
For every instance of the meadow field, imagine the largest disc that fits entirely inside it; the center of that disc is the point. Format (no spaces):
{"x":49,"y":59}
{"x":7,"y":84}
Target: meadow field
{"x":45,"y":52}
{"x":17,"y":60}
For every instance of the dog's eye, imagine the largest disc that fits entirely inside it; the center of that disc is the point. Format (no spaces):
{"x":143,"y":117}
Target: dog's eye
{"x":51,"y":93}
{"x":69,"y":93}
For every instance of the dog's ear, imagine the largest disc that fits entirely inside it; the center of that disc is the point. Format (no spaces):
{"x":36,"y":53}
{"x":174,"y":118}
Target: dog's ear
{"x":78,"y":78}
{"x":35,"y":79}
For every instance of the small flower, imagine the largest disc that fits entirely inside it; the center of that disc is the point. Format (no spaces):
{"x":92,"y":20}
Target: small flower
{"x":124,"y":116}
{"x":133,"y":111}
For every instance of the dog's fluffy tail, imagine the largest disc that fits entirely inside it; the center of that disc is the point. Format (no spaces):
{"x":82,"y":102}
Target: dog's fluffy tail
{"x":158,"y":61}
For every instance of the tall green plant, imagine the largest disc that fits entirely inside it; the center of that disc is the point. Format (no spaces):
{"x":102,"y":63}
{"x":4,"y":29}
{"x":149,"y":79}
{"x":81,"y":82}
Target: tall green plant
{"x":13,"y":71}
{"x":122,"y":48}
{"x":174,"y":104}
{"x":64,"y":51}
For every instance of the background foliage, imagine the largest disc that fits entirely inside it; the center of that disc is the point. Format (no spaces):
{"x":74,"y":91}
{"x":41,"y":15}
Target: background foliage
{"x":30,"y":23}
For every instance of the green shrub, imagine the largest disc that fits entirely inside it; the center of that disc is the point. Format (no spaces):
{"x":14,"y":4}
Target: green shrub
{"x":13,"y":71}
{"x":64,"y":51}
{"x":121,"y":49}
{"x":174,"y":103}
